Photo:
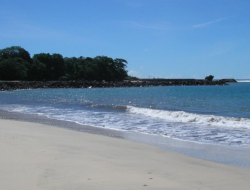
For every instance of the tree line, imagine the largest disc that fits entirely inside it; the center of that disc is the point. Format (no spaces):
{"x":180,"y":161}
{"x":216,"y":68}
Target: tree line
{"x":16,"y":64}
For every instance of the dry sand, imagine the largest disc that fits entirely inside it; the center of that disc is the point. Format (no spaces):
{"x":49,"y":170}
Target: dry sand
{"x":35,"y":156}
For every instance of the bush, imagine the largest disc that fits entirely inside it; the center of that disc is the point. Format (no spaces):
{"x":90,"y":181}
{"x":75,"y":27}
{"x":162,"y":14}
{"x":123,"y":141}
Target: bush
{"x":209,"y":78}
{"x":131,"y":78}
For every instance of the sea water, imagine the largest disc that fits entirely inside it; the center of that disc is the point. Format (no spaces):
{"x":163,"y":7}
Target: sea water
{"x":218,"y":115}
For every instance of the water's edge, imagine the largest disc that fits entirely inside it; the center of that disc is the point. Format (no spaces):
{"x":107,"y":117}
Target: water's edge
{"x":234,"y":156}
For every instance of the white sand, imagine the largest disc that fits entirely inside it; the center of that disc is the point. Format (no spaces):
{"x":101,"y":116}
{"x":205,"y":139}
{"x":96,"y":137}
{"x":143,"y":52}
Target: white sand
{"x":35,"y":156}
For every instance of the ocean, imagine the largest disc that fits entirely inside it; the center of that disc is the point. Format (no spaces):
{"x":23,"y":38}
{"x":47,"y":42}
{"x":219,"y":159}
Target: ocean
{"x":218,"y":115}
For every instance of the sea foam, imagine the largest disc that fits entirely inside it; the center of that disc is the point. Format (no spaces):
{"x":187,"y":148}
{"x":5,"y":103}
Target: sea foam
{"x":185,"y":117}
{"x":243,"y":80}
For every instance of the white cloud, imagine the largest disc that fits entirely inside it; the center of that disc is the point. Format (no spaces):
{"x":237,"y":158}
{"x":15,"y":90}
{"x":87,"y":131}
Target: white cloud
{"x":209,"y":23}
{"x":135,"y":74}
{"x":196,"y":77}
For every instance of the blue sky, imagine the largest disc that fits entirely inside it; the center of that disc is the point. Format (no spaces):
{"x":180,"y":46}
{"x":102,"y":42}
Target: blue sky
{"x":158,"y":38}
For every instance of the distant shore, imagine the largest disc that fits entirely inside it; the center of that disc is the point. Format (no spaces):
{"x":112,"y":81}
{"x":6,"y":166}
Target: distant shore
{"x":15,"y":85}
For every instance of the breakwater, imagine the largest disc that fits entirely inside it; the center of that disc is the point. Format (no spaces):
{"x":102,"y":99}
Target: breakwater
{"x":229,"y":80}
{"x":15,"y":85}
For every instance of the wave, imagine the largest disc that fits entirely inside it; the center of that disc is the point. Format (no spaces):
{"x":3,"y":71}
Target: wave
{"x":110,"y":107}
{"x":243,"y":80}
{"x":185,"y":117}
{"x":173,"y":124}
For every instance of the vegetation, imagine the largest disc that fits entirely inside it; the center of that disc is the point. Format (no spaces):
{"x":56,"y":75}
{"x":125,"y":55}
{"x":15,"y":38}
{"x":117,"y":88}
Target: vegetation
{"x":13,"y":52}
{"x":209,"y":78}
{"x":14,"y":69}
{"x":16,"y":64}
{"x":131,"y":78}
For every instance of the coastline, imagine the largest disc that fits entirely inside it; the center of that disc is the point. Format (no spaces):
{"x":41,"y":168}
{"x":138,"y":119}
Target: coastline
{"x":17,"y":85}
{"x":39,"y":156}
{"x":233,"y":156}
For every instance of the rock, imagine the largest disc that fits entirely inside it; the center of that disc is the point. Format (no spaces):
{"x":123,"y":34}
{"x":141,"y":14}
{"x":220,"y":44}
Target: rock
{"x":228,"y":80}
{"x":11,"y":85}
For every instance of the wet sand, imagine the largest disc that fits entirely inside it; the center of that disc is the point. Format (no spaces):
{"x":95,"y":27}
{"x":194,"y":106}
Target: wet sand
{"x":235,"y":156}
{"x":37,"y":156}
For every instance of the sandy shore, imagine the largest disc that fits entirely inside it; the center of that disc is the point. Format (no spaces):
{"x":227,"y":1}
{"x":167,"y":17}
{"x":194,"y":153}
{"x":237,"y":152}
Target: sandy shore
{"x":35,"y":156}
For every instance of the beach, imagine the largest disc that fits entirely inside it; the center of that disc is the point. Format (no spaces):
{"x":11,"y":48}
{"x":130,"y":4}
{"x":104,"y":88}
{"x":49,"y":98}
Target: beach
{"x":37,"y":156}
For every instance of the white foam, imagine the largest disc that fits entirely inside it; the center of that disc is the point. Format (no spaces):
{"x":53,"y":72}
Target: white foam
{"x":243,"y":80}
{"x":185,"y":117}
{"x":173,"y":124}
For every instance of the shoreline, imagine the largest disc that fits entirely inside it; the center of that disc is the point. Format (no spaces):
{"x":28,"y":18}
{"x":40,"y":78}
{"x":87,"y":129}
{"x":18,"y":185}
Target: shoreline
{"x":38,"y":156}
{"x":233,"y":156}
{"x":17,"y":85}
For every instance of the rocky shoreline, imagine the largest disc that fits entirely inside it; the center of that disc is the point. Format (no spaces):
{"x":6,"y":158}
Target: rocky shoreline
{"x":16,"y":85}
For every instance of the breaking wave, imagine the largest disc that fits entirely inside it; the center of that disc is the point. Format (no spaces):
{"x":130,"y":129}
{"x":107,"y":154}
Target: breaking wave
{"x":185,"y":117}
{"x":243,"y":80}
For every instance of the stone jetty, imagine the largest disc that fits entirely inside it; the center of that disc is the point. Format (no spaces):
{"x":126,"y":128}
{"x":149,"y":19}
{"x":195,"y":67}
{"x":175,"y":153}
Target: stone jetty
{"x":15,"y":85}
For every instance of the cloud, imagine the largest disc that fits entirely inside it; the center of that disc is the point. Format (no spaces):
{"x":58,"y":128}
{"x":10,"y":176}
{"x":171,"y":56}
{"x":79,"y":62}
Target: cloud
{"x":135,"y":74}
{"x":209,"y":23}
{"x":195,"y":76}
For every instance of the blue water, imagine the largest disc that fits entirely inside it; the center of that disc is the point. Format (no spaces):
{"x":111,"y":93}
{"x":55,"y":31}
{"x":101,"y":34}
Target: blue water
{"x":201,"y":114}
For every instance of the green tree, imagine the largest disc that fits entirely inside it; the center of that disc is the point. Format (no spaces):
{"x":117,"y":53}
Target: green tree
{"x":15,"y":51}
{"x":54,"y":65}
{"x":14,"y":69}
{"x":70,"y":67}
{"x":120,"y":72}
{"x":105,"y":68}
{"x":45,"y":59}
{"x":45,"y":66}
{"x":57,"y":69}
{"x":38,"y":71}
